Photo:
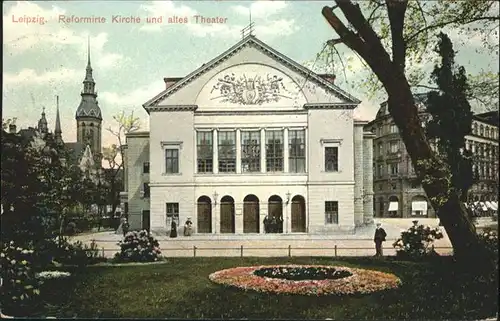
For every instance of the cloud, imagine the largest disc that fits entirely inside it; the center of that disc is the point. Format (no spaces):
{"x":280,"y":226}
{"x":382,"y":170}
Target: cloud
{"x":261,"y":9}
{"x":31,"y":77}
{"x":134,"y":98}
{"x":50,"y":35}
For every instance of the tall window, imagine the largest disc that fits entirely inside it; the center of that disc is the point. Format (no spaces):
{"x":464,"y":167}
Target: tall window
{"x":380,"y":170}
{"x":146,"y":190}
{"x":227,"y":152}
{"x":172,"y":213}
{"x":204,"y":145}
{"x":274,"y":151}
{"x":394,"y":129}
{"x":393,"y":169}
{"x":331,"y":159}
{"x":250,"y":151}
{"x":481,"y":130}
{"x":145,"y":167}
{"x":332,"y":212}
{"x":171,"y":161}
{"x":394,"y":146}
{"x":297,"y":147}
{"x":380,"y":149}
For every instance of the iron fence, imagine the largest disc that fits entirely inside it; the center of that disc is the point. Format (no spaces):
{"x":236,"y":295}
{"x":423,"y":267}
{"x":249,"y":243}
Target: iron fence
{"x":287,"y":251}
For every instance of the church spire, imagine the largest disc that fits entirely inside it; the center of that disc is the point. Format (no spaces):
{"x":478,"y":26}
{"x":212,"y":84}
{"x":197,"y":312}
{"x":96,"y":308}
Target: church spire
{"x":42,"y":123}
{"x":58,"y":131}
{"x":89,"y":79}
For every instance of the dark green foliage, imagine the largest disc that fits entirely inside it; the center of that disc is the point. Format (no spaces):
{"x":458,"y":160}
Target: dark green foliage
{"x":451,"y":116}
{"x":138,"y":247}
{"x":302,"y":273}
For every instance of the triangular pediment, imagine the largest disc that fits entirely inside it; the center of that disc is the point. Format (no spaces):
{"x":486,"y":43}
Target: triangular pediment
{"x":251,"y":75}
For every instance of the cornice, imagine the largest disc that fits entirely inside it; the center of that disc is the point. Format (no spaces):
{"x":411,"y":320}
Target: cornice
{"x":257,"y":44}
{"x":330,"y":106}
{"x":173,"y":108}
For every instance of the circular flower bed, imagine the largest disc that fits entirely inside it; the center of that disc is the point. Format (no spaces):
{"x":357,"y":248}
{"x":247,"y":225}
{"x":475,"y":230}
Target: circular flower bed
{"x":306,"y":279}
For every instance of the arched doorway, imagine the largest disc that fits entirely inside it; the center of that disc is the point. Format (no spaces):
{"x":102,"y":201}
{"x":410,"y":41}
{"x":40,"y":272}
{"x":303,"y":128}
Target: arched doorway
{"x":298,"y":214}
{"x":227,"y":214}
{"x":419,"y":206}
{"x":251,"y":214}
{"x":204,"y":215}
{"x":393,"y":206}
{"x":275,"y":214}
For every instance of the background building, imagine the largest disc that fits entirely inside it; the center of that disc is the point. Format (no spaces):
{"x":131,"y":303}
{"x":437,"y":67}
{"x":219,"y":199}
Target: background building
{"x":398,"y":192}
{"x":249,"y":134}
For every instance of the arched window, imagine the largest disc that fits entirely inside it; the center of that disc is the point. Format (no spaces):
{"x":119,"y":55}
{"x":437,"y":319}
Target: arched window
{"x":481,"y":130}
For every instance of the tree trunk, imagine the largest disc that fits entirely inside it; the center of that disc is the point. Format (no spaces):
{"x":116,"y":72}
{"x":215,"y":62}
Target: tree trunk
{"x":401,"y":104}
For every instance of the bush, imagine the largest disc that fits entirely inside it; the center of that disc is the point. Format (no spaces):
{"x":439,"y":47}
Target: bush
{"x":490,"y":240}
{"x":77,"y":253}
{"x":20,"y":288}
{"x":417,"y":241}
{"x":138,"y":247}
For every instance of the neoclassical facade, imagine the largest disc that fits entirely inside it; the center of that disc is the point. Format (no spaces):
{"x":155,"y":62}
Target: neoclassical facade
{"x":247,"y":135}
{"x":397,"y":191}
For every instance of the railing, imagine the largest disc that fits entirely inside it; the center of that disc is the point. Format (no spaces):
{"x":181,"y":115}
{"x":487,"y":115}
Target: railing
{"x":240,"y":251}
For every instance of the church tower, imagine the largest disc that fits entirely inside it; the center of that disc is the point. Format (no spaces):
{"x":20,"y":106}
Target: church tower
{"x":88,"y":115}
{"x":58,"y":130}
{"x":42,"y":124}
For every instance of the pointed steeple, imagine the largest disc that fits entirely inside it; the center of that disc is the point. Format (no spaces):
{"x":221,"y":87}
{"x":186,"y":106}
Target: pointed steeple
{"x":42,"y":123}
{"x":88,"y":75}
{"x":89,"y":106}
{"x":57,"y":130}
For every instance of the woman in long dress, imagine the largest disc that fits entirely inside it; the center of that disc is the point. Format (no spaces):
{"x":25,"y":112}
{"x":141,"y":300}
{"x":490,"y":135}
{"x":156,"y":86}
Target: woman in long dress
{"x":119,"y":230}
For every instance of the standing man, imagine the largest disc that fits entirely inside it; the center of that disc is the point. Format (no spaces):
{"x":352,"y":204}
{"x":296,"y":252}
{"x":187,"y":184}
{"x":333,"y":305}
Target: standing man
{"x":378,"y":239}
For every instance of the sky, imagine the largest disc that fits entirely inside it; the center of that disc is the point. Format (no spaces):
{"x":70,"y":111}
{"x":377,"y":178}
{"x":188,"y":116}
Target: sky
{"x":45,"y":58}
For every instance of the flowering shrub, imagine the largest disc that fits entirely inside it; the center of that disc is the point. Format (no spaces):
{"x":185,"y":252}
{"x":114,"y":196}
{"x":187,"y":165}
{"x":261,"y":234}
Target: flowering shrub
{"x":359,"y":281}
{"x":417,"y":241}
{"x":77,"y":253}
{"x":19,"y":285}
{"x":138,"y":247}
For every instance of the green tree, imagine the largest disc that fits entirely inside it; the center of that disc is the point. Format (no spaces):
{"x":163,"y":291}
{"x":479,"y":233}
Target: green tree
{"x":359,"y":35}
{"x":114,"y":154}
{"x":451,"y":117}
{"x":473,"y":19}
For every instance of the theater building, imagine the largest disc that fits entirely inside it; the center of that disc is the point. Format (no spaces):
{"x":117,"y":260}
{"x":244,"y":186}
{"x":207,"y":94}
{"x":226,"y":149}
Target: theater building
{"x":247,"y":135}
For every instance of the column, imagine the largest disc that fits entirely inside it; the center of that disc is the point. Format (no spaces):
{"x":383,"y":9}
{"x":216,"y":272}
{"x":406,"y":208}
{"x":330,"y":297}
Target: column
{"x":216,"y":218}
{"x":368,"y":177}
{"x":216,"y":152}
{"x":262,"y":150}
{"x":286,"y":151}
{"x":358,"y":175}
{"x":262,"y":216}
{"x":238,"y":151}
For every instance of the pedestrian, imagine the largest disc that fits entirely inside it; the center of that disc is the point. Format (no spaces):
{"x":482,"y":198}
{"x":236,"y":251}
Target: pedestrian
{"x":125,"y":226}
{"x":266,"y":224}
{"x":173,"y":229}
{"x":378,"y":239}
{"x":188,"y":227}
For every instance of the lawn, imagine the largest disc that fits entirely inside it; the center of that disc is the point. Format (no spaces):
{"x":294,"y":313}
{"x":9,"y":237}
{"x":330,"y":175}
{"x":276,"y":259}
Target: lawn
{"x":181,"y":289}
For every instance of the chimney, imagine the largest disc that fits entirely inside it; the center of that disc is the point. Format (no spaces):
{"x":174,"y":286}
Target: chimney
{"x":12,"y":129}
{"x":328,"y":77}
{"x":170,"y":81}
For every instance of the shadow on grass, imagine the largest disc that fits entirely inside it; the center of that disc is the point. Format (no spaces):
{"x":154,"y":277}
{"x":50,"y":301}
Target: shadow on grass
{"x":181,"y":289}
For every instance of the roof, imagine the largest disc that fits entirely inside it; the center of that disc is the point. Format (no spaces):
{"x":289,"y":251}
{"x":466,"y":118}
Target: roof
{"x":89,"y":107}
{"x":420,"y":101}
{"x":259,"y":45}
{"x":490,"y":117}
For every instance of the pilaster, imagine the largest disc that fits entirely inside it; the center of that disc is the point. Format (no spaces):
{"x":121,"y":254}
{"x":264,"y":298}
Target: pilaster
{"x":358,"y":174}
{"x":238,"y":151}
{"x":216,"y":152}
{"x":262,"y":150}
{"x":286,"y":151}
{"x":368,"y":177}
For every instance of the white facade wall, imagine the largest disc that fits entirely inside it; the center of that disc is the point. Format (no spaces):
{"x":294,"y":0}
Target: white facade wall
{"x":137,"y":154}
{"x":175,"y":120}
